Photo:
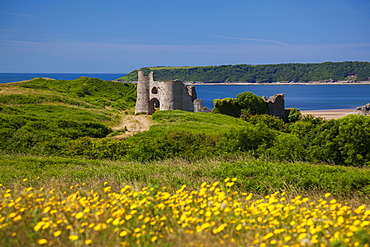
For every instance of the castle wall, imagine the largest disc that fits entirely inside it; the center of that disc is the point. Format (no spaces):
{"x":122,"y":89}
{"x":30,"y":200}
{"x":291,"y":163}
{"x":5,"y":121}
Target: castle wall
{"x":198,"y":105}
{"x":172,"y":95}
{"x":276,"y":106}
{"x":142,"y":102}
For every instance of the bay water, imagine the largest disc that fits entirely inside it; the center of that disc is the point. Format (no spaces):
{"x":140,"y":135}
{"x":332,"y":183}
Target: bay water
{"x":303,"y":97}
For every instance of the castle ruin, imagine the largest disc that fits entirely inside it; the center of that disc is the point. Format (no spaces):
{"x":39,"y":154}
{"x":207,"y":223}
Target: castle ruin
{"x":276,"y":106}
{"x":169,"y":95}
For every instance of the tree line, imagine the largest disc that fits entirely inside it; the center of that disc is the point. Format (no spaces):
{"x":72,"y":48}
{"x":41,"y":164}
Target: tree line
{"x":292,"y":72}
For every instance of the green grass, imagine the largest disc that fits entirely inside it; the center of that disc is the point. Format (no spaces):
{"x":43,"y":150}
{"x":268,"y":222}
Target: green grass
{"x":54,"y":135}
{"x":46,"y":117}
{"x":91,"y":90}
{"x":60,"y":112}
{"x":195,"y":122}
{"x":257,"y":176}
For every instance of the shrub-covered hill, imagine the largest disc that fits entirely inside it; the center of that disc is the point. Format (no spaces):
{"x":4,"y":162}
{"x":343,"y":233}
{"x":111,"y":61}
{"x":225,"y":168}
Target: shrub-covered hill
{"x":72,"y":118}
{"x":336,"y":71}
{"x":44,"y":116}
{"x":91,"y":90}
{"x":199,"y":135}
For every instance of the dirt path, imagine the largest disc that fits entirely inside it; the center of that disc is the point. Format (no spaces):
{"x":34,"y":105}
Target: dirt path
{"x":134,"y":124}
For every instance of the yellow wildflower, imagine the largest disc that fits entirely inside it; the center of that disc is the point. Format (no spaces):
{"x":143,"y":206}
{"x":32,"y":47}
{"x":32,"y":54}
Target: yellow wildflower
{"x":42,"y":241}
{"x":73,"y":237}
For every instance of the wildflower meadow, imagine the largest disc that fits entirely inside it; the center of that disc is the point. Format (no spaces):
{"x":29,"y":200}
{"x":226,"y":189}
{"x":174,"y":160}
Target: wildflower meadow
{"x":215,"y":214}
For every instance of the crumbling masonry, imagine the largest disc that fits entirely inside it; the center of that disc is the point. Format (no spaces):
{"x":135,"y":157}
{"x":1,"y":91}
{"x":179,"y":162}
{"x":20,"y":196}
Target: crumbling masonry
{"x":170,"y":95}
{"x":276,"y":106}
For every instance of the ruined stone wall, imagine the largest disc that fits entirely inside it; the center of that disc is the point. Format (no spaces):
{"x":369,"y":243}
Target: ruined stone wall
{"x":172,"y":95}
{"x":276,"y":106}
{"x":198,"y":106}
{"x":142,"y":101}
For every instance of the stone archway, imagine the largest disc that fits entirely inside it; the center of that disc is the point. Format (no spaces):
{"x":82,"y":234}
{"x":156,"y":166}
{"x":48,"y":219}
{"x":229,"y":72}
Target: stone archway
{"x":154,"y":90}
{"x":153,"y":105}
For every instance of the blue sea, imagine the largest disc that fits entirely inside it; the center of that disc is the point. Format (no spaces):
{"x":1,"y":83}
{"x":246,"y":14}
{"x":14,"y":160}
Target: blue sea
{"x":304,"y":97}
{"x":13,"y":77}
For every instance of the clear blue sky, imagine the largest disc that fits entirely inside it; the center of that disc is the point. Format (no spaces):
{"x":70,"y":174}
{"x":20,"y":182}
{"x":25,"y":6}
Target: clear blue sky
{"x":118,"y":36}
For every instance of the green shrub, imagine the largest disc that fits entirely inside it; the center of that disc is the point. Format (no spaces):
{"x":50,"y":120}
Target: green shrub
{"x":227,"y":106}
{"x":171,"y":144}
{"x":251,"y":103}
{"x":353,"y":140}
{"x":44,"y":136}
{"x":286,"y":147}
{"x":271,"y":122}
{"x":267,"y":177}
{"x":248,"y":138}
{"x":344,"y":141}
{"x":294,"y":115}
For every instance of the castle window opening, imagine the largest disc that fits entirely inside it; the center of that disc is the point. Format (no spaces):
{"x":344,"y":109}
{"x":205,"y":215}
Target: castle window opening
{"x":154,"y":90}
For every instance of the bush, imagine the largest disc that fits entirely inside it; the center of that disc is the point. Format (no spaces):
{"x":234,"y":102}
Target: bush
{"x":244,"y":102}
{"x":252,"y":103}
{"x":294,"y":115}
{"x":271,"y":122}
{"x":227,"y":106}
{"x":286,"y":147}
{"x":344,"y":141}
{"x":172,"y":144}
{"x":353,"y":140}
{"x":249,"y":138}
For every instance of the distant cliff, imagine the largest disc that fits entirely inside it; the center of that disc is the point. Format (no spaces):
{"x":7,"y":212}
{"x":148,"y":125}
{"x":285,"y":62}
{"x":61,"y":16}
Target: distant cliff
{"x":297,"y":72}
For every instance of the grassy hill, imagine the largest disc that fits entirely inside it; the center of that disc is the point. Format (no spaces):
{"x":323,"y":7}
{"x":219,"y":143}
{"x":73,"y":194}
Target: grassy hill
{"x":44,"y":116}
{"x":192,"y":179}
{"x":333,"y":71}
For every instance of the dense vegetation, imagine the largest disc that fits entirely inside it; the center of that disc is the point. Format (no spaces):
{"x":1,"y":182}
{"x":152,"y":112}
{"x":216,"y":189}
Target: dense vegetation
{"x":44,"y":116}
{"x":48,"y":117}
{"x":193,"y":179}
{"x":245,"y":104}
{"x":336,"y":71}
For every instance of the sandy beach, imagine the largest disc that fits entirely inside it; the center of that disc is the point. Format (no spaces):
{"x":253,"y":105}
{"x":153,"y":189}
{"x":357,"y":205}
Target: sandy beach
{"x":329,"y":114}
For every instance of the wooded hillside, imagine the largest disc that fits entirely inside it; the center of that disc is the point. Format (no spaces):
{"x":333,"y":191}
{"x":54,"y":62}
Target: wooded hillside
{"x":298,"y":72}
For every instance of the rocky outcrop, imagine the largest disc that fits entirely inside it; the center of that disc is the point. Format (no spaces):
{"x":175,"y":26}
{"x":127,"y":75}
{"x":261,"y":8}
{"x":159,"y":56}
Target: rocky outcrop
{"x":363,"y":110}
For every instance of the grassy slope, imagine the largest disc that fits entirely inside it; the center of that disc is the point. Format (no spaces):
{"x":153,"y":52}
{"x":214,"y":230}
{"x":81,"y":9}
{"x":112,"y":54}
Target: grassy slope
{"x":254,"y":174}
{"x":195,"y":123}
{"x":82,"y":99}
{"x":44,"y":116}
{"x":49,"y":99}
{"x":19,"y":172}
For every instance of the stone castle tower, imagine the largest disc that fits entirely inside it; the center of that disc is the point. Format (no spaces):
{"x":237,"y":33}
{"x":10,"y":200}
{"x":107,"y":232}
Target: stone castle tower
{"x":170,"y":95}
